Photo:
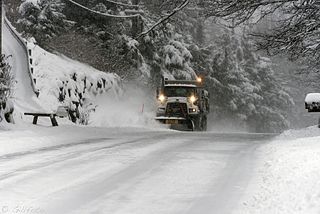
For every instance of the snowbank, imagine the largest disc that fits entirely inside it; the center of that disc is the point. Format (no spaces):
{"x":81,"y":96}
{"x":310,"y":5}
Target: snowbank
{"x":288,"y":179}
{"x":292,"y":134}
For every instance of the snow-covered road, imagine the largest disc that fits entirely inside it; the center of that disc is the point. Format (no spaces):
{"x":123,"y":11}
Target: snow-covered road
{"x":127,"y":171}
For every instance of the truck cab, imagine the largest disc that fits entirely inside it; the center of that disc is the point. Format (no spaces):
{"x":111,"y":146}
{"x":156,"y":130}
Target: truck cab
{"x":183,"y":104}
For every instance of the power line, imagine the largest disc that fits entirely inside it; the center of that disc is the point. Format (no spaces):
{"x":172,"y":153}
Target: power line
{"x":103,"y":14}
{"x":122,"y":4}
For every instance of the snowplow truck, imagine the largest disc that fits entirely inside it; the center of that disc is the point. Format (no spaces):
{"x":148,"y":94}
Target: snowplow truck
{"x":183,"y":104}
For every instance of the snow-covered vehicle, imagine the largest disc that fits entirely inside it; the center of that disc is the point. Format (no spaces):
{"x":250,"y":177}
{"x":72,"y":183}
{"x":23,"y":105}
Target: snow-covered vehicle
{"x":183,"y":104}
{"x":312,"y":102}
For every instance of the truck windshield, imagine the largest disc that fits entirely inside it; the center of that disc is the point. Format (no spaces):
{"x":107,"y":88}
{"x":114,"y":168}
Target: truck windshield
{"x":174,"y":91}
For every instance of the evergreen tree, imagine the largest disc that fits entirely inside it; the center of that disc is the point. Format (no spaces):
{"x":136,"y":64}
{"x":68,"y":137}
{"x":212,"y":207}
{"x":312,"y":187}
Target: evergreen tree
{"x":43,"y":19}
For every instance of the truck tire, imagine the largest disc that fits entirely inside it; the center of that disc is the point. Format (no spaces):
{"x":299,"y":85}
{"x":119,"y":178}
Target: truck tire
{"x":191,"y":125}
{"x":204,"y":124}
{"x":197,"y":123}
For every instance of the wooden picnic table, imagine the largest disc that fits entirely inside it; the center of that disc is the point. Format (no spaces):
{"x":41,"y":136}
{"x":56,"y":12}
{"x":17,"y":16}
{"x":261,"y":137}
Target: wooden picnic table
{"x":52,"y":117}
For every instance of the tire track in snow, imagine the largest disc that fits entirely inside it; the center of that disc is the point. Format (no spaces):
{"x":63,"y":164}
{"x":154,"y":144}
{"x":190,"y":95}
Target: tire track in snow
{"x":60,"y":158}
{"x":94,"y":177}
{"x":200,"y":144}
{"x":82,"y":195}
{"x":224,"y":194}
{"x":51,"y":148}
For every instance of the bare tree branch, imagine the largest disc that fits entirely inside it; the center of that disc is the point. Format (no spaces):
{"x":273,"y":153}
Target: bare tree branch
{"x":295,"y":31}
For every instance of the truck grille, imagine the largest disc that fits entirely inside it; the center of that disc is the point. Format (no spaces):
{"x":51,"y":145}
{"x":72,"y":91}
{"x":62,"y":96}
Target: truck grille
{"x":176,"y":110}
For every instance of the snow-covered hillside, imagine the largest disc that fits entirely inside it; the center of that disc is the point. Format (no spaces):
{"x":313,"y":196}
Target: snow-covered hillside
{"x":63,"y":81}
{"x":112,"y":103}
{"x":60,"y":78}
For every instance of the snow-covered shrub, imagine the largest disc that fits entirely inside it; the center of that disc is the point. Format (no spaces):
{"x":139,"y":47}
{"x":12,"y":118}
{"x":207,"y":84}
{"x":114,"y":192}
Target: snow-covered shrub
{"x":85,"y":111}
{"x":78,"y":89}
{"x":43,"y":19}
{"x":6,"y":88}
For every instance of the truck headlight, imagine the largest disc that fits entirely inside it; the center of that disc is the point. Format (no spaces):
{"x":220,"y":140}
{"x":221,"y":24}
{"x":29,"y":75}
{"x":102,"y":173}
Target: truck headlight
{"x":162,"y":98}
{"x":192,"y":99}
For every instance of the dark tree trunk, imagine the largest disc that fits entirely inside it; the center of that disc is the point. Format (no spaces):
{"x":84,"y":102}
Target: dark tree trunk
{"x":136,"y":22}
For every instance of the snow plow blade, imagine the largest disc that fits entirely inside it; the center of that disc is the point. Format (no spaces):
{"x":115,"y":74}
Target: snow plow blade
{"x":177,"y":123}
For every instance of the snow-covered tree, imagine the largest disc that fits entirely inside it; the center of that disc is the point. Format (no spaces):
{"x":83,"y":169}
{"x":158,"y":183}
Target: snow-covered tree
{"x":43,"y":19}
{"x":242,"y":84}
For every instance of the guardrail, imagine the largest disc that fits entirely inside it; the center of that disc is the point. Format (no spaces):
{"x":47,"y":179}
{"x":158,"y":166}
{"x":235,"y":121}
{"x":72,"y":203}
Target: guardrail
{"x":28,"y":53}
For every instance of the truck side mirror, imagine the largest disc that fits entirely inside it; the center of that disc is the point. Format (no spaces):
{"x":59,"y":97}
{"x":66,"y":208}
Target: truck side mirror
{"x":157,"y":93}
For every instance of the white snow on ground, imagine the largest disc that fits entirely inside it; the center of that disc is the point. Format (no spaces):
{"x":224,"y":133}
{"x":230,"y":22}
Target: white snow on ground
{"x":288,"y":177}
{"x":71,"y":169}
{"x":28,"y":152}
{"x":24,"y":137}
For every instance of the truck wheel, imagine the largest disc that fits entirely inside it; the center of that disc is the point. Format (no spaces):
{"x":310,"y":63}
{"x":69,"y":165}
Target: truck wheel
{"x":191,"y":125}
{"x":204,"y":124}
{"x":197,"y":123}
